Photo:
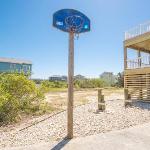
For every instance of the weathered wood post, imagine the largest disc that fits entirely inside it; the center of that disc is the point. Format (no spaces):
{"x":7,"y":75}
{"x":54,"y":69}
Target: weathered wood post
{"x":101,"y":102}
{"x":139,"y":66}
{"x":127,"y":97}
{"x":70,"y":85}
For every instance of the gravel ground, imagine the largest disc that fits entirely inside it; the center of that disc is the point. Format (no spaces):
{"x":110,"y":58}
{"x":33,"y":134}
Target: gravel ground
{"x":87,"y":121}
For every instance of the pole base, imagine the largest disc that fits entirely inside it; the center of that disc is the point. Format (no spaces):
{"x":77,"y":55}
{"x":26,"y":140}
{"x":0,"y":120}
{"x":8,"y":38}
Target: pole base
{"x":69,"y":137}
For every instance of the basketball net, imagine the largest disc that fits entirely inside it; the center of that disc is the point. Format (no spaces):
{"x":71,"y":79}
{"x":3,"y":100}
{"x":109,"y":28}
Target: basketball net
{"x":73,"y":26}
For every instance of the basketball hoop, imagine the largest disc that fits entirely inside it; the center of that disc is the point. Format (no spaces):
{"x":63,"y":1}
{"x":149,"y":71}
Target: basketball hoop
{"x":70,"y":20}
{"x":73,"y":22}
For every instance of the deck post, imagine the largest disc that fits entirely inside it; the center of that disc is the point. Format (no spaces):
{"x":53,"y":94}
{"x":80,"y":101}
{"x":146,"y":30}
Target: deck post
{"x":139,"y":66}
{"x":127,"y":97}
{"x":149,"y":58}
{"x":125,"y":58}
{"x":139,"y":59}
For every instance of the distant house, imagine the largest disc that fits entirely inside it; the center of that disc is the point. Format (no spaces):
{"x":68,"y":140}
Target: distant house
{"x":64,"y":78}
{"x":79,"y":77}
{"x":108,"y":77}
{"x":57,"y":78}
{"x":10,"y":65}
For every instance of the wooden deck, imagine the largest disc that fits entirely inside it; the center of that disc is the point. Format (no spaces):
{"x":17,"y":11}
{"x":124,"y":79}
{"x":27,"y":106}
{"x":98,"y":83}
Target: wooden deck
{"x":141,"y":42}
{"x":137,"y":74}
{"x":137,"y":71}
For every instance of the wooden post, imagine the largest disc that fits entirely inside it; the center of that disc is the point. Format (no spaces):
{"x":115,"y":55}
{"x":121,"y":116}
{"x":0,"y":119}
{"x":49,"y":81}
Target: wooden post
{"x":125,"y":58}
{"x":70,"y":85}
{"x":149,"y":58}
{"x":99,"y":97}
{"x":101,"y":102}
{"x":126,"y":94}
{"x":139,"y":59}
{"x":139,"y":66}
{"x":127,"y":97}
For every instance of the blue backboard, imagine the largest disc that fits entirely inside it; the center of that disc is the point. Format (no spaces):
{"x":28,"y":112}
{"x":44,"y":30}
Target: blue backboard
{"x":70,"y":20}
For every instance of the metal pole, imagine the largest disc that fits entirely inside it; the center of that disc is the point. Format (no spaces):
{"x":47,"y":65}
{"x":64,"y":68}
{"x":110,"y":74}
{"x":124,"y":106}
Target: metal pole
{"x":70,"y":85}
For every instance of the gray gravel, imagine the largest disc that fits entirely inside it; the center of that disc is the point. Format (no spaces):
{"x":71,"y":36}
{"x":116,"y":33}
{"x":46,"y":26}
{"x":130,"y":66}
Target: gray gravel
{"x":87,"y":121}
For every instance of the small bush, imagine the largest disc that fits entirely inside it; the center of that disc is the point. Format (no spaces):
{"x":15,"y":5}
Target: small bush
{"x":89,"y":83}
{"x":46,"y":86}
{"x":120,"y":80}
{"x":17,"y":94}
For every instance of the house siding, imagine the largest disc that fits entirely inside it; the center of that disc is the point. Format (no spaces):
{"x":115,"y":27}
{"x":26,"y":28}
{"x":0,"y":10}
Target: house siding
{"x":14,"y":67}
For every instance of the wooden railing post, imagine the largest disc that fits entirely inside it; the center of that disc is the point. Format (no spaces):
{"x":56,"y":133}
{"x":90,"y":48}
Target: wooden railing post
{"x":101,"y":101}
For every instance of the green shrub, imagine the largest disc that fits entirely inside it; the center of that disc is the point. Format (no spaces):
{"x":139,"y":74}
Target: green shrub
{"x":17,"y":94}
{"x":46,"y":86}
{"x":89,"y":83}
{"x":120,"y":79}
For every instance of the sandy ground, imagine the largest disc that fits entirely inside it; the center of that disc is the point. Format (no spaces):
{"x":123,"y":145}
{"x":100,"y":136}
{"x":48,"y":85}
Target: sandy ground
{"x":84,"y":96}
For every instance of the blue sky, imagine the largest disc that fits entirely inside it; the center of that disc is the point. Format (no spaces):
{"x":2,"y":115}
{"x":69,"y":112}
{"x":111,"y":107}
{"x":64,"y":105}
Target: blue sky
{"x":26,"y":32}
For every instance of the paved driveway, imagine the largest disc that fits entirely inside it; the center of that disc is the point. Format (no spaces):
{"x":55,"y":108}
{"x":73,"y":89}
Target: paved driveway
{"x":134,"y":138}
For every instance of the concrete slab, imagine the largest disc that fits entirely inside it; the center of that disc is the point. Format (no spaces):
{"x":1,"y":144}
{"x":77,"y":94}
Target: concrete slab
{"x":134,"y":138}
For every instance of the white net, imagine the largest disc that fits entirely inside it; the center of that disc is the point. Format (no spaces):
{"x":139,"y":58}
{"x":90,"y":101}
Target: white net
{"x":74,"y":23}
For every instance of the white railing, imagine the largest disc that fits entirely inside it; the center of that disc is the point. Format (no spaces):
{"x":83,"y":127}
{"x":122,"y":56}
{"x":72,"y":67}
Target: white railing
{"x":140,"y":62}
{"x":138,"y":30}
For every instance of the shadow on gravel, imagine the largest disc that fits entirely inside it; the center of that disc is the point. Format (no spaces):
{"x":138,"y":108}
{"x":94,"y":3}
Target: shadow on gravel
{"x":142,"y":105}
{"x":98,"y":112}
{"x":61,"y":144}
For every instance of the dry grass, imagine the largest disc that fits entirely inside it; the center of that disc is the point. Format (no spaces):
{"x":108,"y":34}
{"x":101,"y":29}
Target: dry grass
{"x":58,"y":100}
